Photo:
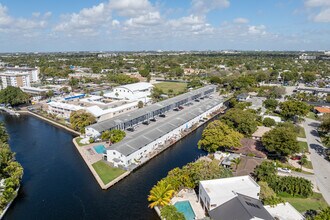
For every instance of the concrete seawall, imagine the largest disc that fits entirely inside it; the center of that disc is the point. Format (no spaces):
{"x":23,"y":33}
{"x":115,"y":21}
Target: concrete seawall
{"x":50,"y":121}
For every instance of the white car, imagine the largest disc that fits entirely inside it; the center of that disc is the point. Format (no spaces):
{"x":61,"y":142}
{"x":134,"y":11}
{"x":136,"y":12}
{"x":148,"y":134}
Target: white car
{"x":284,"y":170}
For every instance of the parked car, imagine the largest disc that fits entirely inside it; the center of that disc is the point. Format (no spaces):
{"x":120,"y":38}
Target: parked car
{"x":284,"y":170}
{"x":295,"y":157}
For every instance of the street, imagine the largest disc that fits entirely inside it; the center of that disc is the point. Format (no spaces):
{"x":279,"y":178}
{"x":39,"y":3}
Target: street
{"x":320,"y":164}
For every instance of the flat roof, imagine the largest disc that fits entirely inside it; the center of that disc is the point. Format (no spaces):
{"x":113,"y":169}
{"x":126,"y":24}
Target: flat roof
{"x":219,"y":189}
{"x":136,"y":86}
{"x":261,"y":131}
{"x":284,"y":212}
{"x":139,"y":140}
{"x":113,"y":122}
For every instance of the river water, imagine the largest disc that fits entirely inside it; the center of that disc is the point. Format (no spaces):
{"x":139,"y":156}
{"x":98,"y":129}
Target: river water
{"x":58,"y":185}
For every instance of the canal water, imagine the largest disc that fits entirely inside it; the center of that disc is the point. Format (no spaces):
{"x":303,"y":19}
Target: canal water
{"x":58,"y":185}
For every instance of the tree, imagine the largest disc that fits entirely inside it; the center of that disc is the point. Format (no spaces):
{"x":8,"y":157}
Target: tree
{"x":270,"y":104}
{"x":268,"y":122}
{"x":13,"y":96}
{"x":323,"y":215}
{"x":303,"y":161}
{"x":195,"y":83}
{"x":114,"y":136}
{"x":265,"y":172}
{"x":292,"y":108}
{"x":325,"y":124}
{"x":81,"y":119}
{"x":217,"y":135}
{"x":281,"y":140}
{"x":309,"y":77}
{"x":169,"y":212}
{"x":160,"y":194}
{"x":267,"y":194}
{"x":243,"y":121}
{"x":4,"y":137}
{"x":236,"y":161}
{"x":140,"y":104}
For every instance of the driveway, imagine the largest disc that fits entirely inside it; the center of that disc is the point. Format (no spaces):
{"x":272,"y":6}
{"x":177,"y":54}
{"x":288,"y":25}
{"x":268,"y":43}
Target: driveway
{"x":320,"y":164}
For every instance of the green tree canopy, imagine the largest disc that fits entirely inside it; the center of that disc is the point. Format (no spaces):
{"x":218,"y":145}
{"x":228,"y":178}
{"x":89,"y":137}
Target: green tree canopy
{"x":13,"y":96}
{"x":114,"y":136}
{"x":160,"y":194}
{"x":217,"y":135}
{"x":268,"y":122}
{"x":309,"y":76}
{"x":243,"y":121}
{"x":281,"y":140}
{"x":292,"y":108}
{"x":323,"y":215}
{"x":270,"y":104}
{"x":81,"y":119}
{"x":169,"y":212}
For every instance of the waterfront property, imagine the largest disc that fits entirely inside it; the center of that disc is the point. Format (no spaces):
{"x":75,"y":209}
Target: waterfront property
{"x":139,"y":116}
{"x":213,"y":193}
{"x":185,"y":208}
{"x":138,"y":146}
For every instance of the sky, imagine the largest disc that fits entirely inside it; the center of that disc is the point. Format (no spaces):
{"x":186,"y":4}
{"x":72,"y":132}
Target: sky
{"x":136,"y":25}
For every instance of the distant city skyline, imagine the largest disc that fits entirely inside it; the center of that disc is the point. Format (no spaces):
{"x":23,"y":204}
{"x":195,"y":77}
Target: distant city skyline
{"x":137,"y":25}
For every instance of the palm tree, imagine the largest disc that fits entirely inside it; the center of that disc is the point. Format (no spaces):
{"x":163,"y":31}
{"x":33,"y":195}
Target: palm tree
{"x":236,"y":161}
{"x":160,"y":194}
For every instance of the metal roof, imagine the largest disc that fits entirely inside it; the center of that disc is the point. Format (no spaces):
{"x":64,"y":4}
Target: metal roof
{"x":138,"y":141}
{"x":129,"y":116}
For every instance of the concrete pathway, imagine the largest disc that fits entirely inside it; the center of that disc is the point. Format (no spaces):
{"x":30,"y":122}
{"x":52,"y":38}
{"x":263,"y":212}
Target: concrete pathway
{"x":320,"y":164}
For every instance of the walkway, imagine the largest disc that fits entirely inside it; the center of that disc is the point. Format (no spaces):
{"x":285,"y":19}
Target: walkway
{"x":320,"y":164}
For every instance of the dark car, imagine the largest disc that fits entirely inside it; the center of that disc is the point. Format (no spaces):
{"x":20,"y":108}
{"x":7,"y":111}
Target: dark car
{"x":180,"y":107}
{"x":153,"y":119}
{"x":146,"y":122}
{"x":162,"y":115}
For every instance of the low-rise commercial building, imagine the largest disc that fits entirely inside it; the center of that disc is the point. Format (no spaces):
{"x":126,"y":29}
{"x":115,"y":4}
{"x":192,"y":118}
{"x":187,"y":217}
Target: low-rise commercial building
{"x":135,"y":91}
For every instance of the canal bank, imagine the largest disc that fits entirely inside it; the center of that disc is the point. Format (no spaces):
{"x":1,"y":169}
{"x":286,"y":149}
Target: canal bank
{"x":57,"y":186}
{"x":170,"y":139}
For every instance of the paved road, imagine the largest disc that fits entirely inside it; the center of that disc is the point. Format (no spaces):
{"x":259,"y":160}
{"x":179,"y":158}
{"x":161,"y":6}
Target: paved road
{"x":321,"y":166}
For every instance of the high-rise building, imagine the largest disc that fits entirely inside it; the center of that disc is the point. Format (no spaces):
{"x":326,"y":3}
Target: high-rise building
{"x":18,"y":76}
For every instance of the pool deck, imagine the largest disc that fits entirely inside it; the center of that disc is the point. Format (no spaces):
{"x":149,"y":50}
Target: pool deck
{"x":190,"y":195}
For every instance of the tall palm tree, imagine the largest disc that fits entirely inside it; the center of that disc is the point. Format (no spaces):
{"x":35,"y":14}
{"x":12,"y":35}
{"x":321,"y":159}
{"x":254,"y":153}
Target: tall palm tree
{"x":236,"y":161}
{"x":160,"y":194}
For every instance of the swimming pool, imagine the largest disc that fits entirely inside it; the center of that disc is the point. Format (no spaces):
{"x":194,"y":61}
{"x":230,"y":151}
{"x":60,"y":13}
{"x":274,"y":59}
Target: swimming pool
{"x":100,"y":149}
{"x":185,"y":208}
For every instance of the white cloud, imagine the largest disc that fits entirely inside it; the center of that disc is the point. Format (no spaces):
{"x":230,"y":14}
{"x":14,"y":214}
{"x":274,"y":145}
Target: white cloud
{"x":149,"y":19}
{"x":131,"y":8}
{"x":241,"y":21}
{"x":86,"y":21}
{"x":205,"y":6}
{"x":17,"y":25}
{"x":317,"y":3}
{"x":115,"y":23}
{"x":257,"y":30}
{"x":323,"y":16}
{"x":320,"y":10}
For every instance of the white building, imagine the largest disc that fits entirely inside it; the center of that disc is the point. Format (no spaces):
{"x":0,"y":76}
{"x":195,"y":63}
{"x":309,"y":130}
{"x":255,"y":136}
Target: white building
{"x":284,"y":211}
{"x":213,"y":193}
{"x":33,"y":72}
{"x":14,"y":79}
{"x":135,"y":91}
{"x":307,"y":57}
{"x":63,"y":110}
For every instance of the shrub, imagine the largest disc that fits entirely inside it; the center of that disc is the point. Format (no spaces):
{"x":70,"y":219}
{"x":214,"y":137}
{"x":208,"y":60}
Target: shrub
{"x":268,"y":122}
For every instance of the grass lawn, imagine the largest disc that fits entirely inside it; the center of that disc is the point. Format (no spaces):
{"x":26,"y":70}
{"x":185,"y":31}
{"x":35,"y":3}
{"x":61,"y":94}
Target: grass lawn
{"x":312,"y":115}
{"x":175,"y":86}
{"x":78,"y":142}
{"x":315,"y":202}
{"x":105,"y":172}
{"x":301,"y":132}
{"x":303,"y":146}
{"x":308,"y":165}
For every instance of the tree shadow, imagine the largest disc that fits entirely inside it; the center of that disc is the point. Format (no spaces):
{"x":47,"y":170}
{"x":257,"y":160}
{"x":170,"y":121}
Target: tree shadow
{"x":318,"y":148}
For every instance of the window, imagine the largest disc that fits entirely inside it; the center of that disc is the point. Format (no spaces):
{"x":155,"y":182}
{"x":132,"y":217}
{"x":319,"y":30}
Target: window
{"x":253,"y":205}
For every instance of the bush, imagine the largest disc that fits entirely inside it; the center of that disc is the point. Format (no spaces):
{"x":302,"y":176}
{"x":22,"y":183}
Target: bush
{"x":268,"y":122}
